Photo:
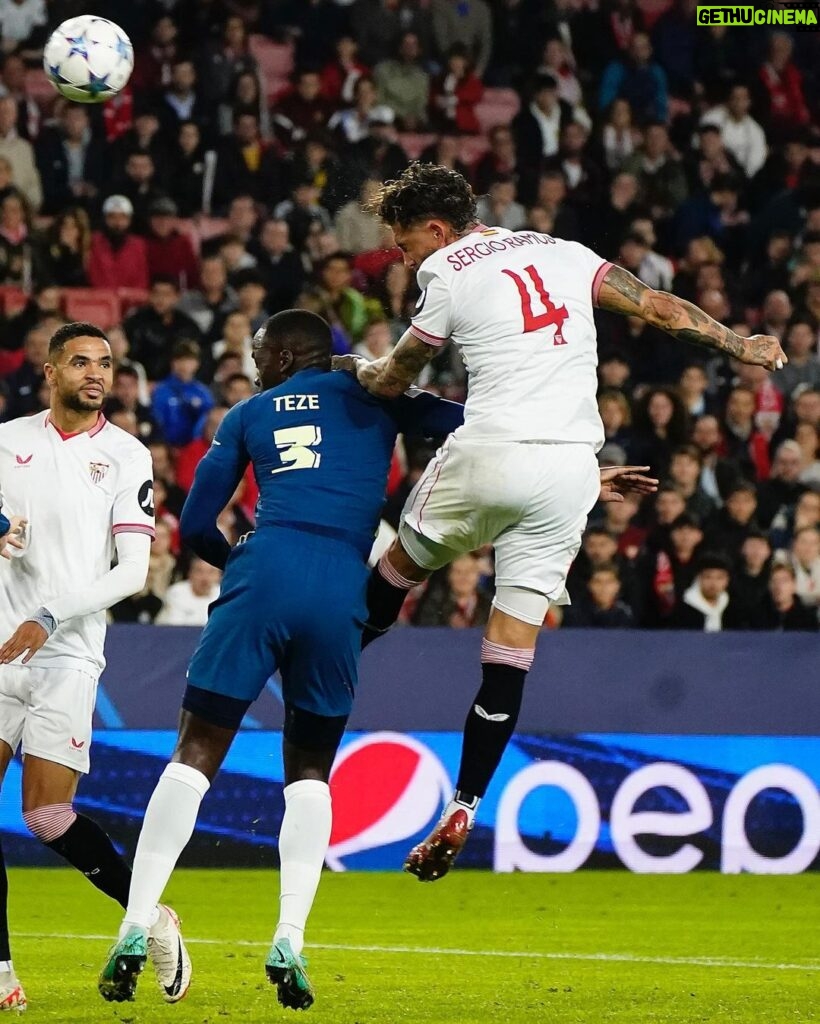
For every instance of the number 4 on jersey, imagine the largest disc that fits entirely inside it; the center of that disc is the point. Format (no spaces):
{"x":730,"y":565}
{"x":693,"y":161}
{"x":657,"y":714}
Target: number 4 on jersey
{"x":553,"y":316}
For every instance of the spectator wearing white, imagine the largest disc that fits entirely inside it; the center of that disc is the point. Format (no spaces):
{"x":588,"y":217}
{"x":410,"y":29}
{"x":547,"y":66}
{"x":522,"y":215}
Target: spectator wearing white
{"x":186,"y":603}
{"x":18,"y":19}
{"x":377,"y":341}
{"x":655,"y":270}
{"x":742,"y":135}
{"x":706,"y":605}
{"x":354,"y":123}
{"x":238,"y":340}
{"x":356,"y":229}
{"x":19,"y":154}
{"x":500,"y":208}
{"x":804,"y":558}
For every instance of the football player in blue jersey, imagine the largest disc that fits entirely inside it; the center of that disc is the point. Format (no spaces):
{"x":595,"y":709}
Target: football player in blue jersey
{"x":292,"y":599}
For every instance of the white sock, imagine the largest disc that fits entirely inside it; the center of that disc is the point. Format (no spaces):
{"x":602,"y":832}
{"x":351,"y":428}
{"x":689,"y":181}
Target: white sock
{"x":461,"y":803}
{"x":303,"y":843}
{"x":6,"y":966}
{"x":168,"y":825}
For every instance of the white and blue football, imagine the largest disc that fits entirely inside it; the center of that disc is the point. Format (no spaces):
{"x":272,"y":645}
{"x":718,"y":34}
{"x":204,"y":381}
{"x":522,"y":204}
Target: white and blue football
{"x":88,"y":59}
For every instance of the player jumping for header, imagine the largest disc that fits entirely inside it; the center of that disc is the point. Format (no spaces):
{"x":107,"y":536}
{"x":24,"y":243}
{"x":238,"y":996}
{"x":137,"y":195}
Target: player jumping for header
{"x":77,"y":490}
{"x":521,"y":472}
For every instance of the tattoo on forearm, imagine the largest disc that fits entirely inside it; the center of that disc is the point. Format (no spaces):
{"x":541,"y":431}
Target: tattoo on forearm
{"x":392,"y":375}
{"x":622,"y":292}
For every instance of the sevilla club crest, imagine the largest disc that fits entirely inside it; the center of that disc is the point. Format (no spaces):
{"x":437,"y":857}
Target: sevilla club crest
{"x":98,"y":471}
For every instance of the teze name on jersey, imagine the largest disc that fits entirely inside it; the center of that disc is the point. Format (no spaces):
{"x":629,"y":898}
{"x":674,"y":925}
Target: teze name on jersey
{"x":295,"y":403}
{"x":465,"y":257}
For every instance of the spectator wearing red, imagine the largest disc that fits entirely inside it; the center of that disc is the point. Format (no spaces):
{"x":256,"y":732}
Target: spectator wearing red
{"x":170,"y":253}
{"x":339,"y":76}
{"x":455,"y":94}
{"x":784,"y":86}
{"x":152,"y":64}
{"x":118,"y":258}
{"x":305,"y":108}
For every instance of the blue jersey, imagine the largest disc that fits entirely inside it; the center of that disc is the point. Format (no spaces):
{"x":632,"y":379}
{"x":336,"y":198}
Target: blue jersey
{"x":321,"y":447}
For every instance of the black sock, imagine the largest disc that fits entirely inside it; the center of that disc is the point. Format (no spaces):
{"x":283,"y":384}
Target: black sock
{"x":384,"y":603}
{"x":5,"y":950}
{"x":87,"y":848}
{"x":486,"y":740}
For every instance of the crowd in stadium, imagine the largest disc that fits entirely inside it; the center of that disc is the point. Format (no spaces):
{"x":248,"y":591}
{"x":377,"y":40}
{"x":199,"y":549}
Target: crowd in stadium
{"x":226,"y":183}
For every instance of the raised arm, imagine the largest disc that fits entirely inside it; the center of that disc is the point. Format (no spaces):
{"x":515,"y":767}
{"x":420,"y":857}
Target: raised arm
{"x":622,"y":292}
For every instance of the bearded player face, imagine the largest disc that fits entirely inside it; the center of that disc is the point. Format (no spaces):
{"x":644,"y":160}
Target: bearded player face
{"x":81,"y":376}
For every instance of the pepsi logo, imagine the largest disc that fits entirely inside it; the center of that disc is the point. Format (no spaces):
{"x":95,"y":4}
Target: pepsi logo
{"x":386,"y":787}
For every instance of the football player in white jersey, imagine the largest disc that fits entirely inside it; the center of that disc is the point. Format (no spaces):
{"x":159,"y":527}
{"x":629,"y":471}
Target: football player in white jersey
{"x":77,"y":491}
{"x":521,"y":472}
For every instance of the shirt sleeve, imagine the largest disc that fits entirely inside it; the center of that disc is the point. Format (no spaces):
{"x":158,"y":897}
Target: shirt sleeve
{"x":431,"y":321}
{"x":133,"y":510}
{"x":217,"y":477}
{"x":420,"y":414}
{"x":590,"y":264}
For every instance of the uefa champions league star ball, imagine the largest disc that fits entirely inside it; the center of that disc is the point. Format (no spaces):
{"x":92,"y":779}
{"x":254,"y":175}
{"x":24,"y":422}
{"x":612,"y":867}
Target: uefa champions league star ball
{"x":88,"y":59}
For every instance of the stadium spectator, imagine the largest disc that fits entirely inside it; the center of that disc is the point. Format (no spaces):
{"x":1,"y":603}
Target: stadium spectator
{"x":186,"y":603}
{"x":302,"y":211}
{"x":403,"y":84}
{"x":20,"y":262}
{"x":279,"y":264}
{"x":464,"y":22}
{"x":189,"y":162}
{"x":804,"y":558}
{"x":314,"y":26}
{"x":357,"y":229}
{"x":170,"y":252}
{"x":153,"y":63}
{"x":154,"y":329}
{"x":236,"y":388}
{"x":13,"y":83}
{"x":71,"y":160}
{"x":661,"y":177}
{"x":684,"y":471}
{"x":225,"y":59}
{"x":377,"y":340}
{"x":455,"y":94}
{"x":379,"y":24}
{"x":500,"y":159}
{"x":735,"y":521}
{"x":744,"y":443}
{"x":784,"y":486}
{"x":803,"y":367}
{"x":144,"y":606}
{"x":660,"y":428}
{"x":557,"y":60}
{"x":500,"y":208}
{"x":140,"y":186}
{"x":183,"y":101}
{"x":750,"y":579}
{"x":742,"y":135}
{"x":619,"y":136}
{"x":180,"y":403}
{"x":190,"y":455}
{"x":585,"y":182}
{"x":45,"y":302}
{"x":537,"y":129}
{"x":305,"y":109}
{"x":250,"y":292}
{"x":552,"y":203}
{"x":379,"y":154}
{"x":461,"y":603}
{"x":601,"y":607}
{"x":353,"y":124}
{"x":143,"y":136}
{"x":246,"y":97}
{"x":118,"y":258}
{"x":339,"y":75}
{"x":784,"y":86}
{"x":126,"y":395}
{"x":693,"y":387}
{"x":710,"y":160}
{"x":24,"y":385}
{"x":66,"y":248}
{"x":210,"y":304}
{"x":782,"y":609}
{"x":20,"y":154}
{"x":639,"y":80}
{"x":706,"y":605}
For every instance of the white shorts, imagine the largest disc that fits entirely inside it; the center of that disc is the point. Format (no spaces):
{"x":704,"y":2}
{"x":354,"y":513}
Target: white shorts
{"x":50,"y":710}
{"x":529,"y":500}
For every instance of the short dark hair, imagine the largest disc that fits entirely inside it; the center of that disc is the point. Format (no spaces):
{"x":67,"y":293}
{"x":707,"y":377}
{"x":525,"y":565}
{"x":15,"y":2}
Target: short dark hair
{"x":299,"y":329}
{"x":234,"y":377}
{"x":714,"y":560}
{"x":607,"y":567}
{"x":689,"y":451}
{"x":126,"y":371}
{"x":426,"y":191}
{"x":68,"y":332}
{"x":165,"y":279}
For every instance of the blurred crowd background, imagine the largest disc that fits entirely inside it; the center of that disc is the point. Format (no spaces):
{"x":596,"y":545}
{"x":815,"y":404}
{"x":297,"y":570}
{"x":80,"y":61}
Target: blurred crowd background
{"x":226,"y":183}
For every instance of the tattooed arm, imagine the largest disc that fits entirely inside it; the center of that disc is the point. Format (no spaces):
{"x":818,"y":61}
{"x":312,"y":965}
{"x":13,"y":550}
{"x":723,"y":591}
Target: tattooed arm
{"x":621,"y":292}
{"x":392,"y":375}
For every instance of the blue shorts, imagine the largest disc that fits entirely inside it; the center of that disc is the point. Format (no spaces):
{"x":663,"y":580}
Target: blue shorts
{"x":290,"y":601}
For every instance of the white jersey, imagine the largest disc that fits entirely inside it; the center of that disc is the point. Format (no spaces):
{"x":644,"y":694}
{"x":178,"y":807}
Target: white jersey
{"x":519,"y":305}
{"x":77,"y":492}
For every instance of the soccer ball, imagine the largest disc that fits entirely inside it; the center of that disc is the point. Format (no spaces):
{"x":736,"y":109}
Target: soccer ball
{"x":88,"y":59}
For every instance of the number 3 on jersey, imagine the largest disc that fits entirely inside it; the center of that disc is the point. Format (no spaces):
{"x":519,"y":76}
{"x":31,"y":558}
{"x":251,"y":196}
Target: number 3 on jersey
{"x":296,"y":446}
{"x":553,"y":316}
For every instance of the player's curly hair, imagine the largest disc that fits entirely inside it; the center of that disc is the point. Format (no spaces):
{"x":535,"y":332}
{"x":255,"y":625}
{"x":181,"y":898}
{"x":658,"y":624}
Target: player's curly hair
{"x":426,"y":191}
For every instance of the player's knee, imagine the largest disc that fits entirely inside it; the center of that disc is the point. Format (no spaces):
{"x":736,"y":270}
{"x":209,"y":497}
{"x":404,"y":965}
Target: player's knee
{"x":521,"y":604}
{"x":311,"y":732}
{"x":50,"y":822}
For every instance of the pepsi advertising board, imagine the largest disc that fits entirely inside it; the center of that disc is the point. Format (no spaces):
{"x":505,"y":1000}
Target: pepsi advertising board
{"x":647,"y":803}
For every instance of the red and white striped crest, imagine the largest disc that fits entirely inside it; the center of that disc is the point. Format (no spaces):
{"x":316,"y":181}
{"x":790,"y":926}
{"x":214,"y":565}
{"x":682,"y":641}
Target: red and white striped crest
{"x":98,"y":471}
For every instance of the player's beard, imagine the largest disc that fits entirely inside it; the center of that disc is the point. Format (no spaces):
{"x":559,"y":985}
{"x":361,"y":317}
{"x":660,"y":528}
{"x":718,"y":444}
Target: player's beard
{"x":77,"y":402}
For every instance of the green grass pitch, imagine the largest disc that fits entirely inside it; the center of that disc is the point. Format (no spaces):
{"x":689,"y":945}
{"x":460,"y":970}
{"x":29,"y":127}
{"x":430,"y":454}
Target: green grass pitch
{"x":474,"y":947}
